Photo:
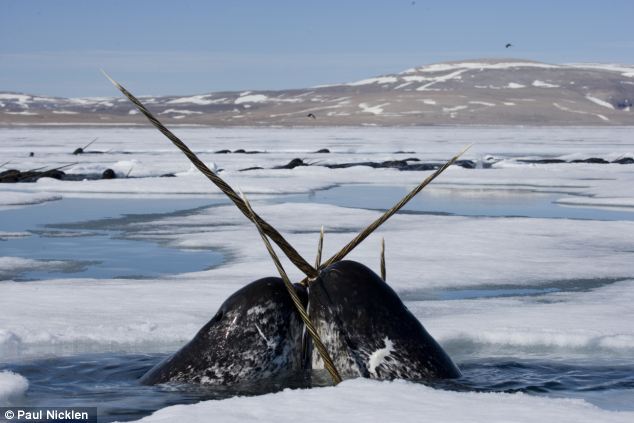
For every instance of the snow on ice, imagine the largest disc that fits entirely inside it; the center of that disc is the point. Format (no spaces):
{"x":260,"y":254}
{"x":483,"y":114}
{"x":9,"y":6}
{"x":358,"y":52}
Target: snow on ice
{"x":429,"y":256}
{"x":398,"y":401}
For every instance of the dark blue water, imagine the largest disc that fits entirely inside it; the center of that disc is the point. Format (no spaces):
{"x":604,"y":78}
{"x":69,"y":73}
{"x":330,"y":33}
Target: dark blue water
{"x":539,"y":288}
{"x":485,"y":203}
{"x":124,"y":258}
{"x":475,"y":293}
{"x":110,"y":382}
{"x":74,"y":210}
{"x":89,"y":237}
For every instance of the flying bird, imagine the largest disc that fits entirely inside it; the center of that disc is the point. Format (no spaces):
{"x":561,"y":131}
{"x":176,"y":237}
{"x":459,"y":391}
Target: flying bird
{"x":509,"y":45}
{"x":311,"y":115}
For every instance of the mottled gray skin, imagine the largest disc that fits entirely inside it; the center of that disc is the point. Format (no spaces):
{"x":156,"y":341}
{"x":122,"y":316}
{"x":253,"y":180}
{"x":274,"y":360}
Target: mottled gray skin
{"x":368,"y":330}
{"x":256,"y":334}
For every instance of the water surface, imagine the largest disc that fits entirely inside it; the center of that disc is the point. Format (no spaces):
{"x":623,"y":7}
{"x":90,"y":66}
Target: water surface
{"x":110,"y":382}
{"x":93,"y":239}
{"x":459,"y":202}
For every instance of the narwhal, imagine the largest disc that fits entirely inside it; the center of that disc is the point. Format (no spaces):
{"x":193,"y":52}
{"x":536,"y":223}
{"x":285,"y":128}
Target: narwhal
{"x":342,"y":317}
{"x":256,"y":334}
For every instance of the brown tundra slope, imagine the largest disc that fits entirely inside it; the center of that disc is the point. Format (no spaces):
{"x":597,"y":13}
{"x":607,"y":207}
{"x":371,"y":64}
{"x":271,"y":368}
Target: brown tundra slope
{"x":481,"y":92}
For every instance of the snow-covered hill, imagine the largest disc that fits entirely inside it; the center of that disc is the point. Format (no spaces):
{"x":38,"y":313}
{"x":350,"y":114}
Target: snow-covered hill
{"x":484,"y":91}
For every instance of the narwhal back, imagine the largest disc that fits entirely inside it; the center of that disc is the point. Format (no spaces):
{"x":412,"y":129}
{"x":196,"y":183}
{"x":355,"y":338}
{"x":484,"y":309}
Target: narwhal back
{"x":368,"y":330}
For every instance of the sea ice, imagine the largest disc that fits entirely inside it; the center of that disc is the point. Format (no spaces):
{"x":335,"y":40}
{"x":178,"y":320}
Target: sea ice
{"x":373,"y":401}
{"x":12,"y":386}
{"x":580,"y":269}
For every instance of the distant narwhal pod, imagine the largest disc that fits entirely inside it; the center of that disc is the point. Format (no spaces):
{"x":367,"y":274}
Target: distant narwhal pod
{"x":367,"y":329}
{"x":256,"y":334}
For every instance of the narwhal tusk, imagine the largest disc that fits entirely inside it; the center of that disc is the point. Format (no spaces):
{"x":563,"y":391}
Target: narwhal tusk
{"x":383,"y":272}
{"x":321,"y":348}
{"x":389,"y":213}
{"x":320,"y":246}
{"x":269,"y":230}
{"x":30,"y":173}
{"x":89,"y":144}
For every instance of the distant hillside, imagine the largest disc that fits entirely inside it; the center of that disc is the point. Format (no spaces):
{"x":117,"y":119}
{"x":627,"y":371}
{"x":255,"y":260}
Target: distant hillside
{"x":482,"y":91}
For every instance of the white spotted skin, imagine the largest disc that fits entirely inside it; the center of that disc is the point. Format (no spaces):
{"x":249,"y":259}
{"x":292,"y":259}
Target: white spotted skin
{"x":255,"y":335}
{"x":368,"y":331}
{"x":379,"y":356}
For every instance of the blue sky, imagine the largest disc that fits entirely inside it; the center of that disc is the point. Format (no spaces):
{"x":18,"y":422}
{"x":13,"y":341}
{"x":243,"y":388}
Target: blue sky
{"x":185,"y":47}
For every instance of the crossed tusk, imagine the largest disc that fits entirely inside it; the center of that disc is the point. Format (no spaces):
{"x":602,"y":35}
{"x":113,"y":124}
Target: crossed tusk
{"x":385,"y":216}
{"x":383,"y":273}
{"x":310,"y":328}
{"x":269,"y":230}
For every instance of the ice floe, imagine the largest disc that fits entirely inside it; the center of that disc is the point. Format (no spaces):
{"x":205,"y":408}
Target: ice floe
{"x":13,"y":235}
{"x":12,"y":387}
{"x":16,"y":198}
{"x":372,"y":401}
{"x":15,"y":265}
